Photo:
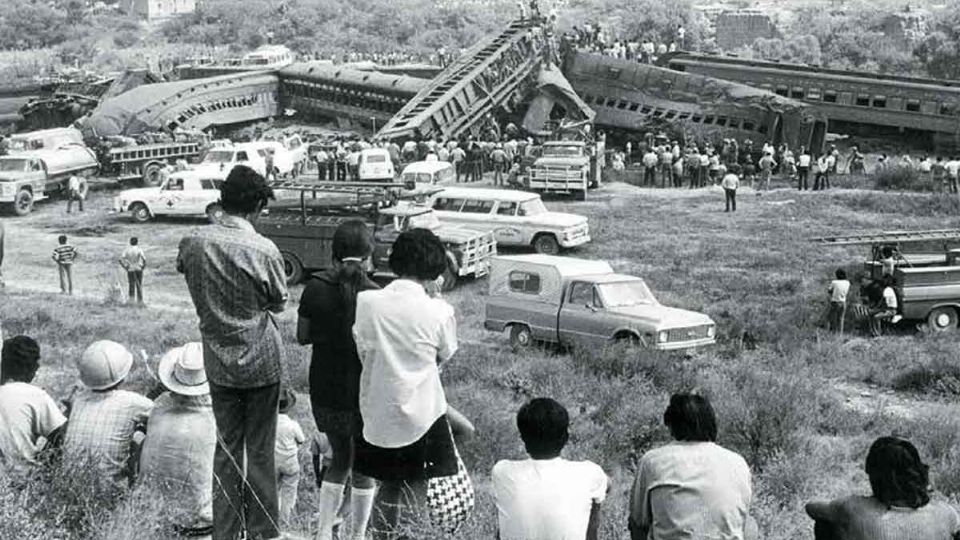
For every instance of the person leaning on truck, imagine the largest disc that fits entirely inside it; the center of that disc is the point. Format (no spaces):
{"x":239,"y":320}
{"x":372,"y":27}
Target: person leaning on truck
{"x":76,"y":191}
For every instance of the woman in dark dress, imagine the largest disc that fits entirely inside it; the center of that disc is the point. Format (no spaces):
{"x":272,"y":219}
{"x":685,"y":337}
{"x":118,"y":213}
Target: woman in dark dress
{"x":326,"y":316}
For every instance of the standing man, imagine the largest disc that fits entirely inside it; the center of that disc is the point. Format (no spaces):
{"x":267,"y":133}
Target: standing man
{"x":953,"y":174}
{"x":133,"y":261}
{"x":321,"y":158}
{"x":838,"y":300}
{"x":731,"y":183}
{"x":820,"y":181}
{"x":650,"y":161}
{"x":681,"y":37}
{"x":236,"y":281}
{"x":499,"y":159}
{"x":64,"y":255}
{"x":803,"y":169}
{"x":76,"y":191}
{"x":457,"y":155}
{"x":767,"y":164}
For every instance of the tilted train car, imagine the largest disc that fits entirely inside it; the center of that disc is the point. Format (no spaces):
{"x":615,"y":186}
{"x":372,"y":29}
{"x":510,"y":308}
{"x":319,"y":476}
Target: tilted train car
{"x":629,"y":97}
{"x":320,"y":89}
{"x":856,"y":102}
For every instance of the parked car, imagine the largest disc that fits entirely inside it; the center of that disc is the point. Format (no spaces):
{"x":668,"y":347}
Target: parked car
{"x":184,"y":193}
{"x":517,"y":218}
{"x":584,"y":302}
{"x":33,"y":176}
{"x":428,"y":173}
{"x":375,"y":165}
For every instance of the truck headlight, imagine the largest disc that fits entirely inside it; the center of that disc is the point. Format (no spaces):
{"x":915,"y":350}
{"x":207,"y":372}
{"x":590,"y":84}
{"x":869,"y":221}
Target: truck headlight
{"x":662,"y":336}
{"x":711,"y":331}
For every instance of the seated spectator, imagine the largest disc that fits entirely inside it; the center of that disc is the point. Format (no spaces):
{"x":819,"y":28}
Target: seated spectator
{"x":691,"y":488}
{"x":104,"y":419}
{"x":177,"y":457}
{"x":27,"y":413}
{"x":289,"y":439}
{"x":547,"y":497}
{"x":900,"y":507}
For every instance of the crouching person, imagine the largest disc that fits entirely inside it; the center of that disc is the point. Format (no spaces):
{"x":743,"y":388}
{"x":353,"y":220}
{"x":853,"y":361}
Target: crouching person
{"x":177,"y":458}
{"x":547,"y":497}
{"x":28,"y":415}
{"x":106,"y":423}
{"x":691,"y":488}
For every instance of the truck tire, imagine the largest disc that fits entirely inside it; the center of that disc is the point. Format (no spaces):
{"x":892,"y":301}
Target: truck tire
{"x":546,"y":244}
{"x":521,"y":337}
{"x":151,"y":175}
{"x":215,"y":213}
{"x":23,"y":203}
{"x":140,"y":213}
{"x":942,"y":319}
{"x":292,"y":268}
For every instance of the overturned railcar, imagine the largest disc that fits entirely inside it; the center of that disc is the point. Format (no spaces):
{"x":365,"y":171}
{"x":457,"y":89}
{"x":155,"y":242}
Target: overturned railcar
{"x":324,"y":90}
{"x":629,"y":97}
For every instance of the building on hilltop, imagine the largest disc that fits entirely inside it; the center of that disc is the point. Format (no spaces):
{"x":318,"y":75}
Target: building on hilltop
{"x":158,"y":9}
{"x":735,"y":29}
{"x":906,"y":27}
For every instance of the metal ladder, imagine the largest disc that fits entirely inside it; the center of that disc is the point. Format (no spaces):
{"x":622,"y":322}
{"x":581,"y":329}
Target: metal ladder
{"x":890,"y":237}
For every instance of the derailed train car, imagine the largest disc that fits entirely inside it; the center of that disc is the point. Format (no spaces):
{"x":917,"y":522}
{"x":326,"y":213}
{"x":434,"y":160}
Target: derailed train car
{"x":321,"y":89}
{"x":633,"y":97}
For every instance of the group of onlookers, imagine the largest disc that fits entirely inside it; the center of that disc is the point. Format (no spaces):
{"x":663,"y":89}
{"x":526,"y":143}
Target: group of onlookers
{"x":944,"y":174}
{"x":591,"y":37}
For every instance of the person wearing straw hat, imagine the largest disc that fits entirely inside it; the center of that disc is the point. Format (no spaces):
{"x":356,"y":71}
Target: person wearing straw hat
{"x":105,"y":419}
{"x":177,"y":458}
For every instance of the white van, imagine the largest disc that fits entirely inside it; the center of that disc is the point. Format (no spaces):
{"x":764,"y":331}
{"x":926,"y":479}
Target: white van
{"x":374,"y":165}
{"x":517,"y":218}
{"x":429,"y":173}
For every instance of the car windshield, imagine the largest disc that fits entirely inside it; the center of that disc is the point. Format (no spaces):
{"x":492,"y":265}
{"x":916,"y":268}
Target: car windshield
{"x":626,"y":293}
{"x":20,"y":144}
{"x":427,"y":220}
{"x":562,"y":151}
{"x":14,"y":165}
{"x":419,"y":178}
{"x":532,"y":207}
{"x":218,"y":156}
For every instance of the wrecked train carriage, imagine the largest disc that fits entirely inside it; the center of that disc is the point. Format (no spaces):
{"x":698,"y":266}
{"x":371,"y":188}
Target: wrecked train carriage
{"x":633,"y":97}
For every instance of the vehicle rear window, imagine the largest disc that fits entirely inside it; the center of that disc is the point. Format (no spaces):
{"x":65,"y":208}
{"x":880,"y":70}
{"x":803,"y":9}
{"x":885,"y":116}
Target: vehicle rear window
{"x":507,"y":209}
{"x":448,"y":204}
{"x":524,"y":282}
{"x":477,"y":207}
{"x":375,"y":158}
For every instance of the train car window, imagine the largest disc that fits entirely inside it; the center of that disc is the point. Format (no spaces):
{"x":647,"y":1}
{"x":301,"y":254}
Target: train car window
{"x":645,"y":110}
{"x":670,"y":115}
{"x":696,"y":118}
{"x":763,"y":129}
{"x":863,"y":100}
{"x":796,"y":93}
{"x":721,"y":120}
{"x":587,"y":98}
{"x":598,"y":101}
{"x":913,"y":105}
{"x":814,"y":94}
{"x":830,"y":96}
{"x":748,"y":125}
{"x":658,"y":112}
{"x":613,"y":73}
{"x":634,"y":106}
{"x":684,"y":116}
{"x":782,"y":91}
{"x":949,"y":109}
{"x":708,"y":120}
{"x":880,"y":102}
{"x":622,"y":105}
{"x":676,"y":66}
{"x":734,"y":123}
{"x":611,"y":102}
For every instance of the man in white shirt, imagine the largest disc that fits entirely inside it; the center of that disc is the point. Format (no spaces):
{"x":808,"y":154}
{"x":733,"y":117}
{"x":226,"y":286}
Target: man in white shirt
{"x":76,"y":191}
{"x":953,"y":174}
{"x":650,"y":161}
{"x":886,"y":310}
{"x":547,"y":497}
{"x":730,"y":184}
{"x":838,"y":290}
{"x":803,"y":169}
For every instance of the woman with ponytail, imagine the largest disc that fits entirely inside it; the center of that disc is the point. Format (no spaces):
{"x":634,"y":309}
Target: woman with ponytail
{"x":326,"y":316}
{"x":900,"y":508}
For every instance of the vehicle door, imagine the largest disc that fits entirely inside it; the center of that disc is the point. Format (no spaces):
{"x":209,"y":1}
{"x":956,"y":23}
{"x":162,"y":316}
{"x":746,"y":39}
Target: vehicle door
{"x":583,"y":320}
{"x":388,"y":228}
{"x":506,"y":225}
{"x":171,"y":200}
{"x":42,"y":183}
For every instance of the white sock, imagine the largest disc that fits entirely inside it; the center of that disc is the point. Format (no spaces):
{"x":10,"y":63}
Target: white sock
{"x":361,"y":506}
{"x":331,"y":495}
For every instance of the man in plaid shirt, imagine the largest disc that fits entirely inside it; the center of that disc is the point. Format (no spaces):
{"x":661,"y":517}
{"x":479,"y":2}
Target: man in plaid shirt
{"x":104,"y":420}
{"x":236,"y":280}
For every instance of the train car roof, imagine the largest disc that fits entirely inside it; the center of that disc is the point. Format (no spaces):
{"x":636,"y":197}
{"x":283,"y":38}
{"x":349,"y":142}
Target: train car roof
{"x":325,"y":72}
{"x":803,"y":68}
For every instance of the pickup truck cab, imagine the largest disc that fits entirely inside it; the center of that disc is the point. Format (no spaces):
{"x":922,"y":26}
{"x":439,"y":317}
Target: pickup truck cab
{"x":33,"y":176}
{"x":185,"y":193}
{"x":517,"y":218}
{"x":584,"y":302}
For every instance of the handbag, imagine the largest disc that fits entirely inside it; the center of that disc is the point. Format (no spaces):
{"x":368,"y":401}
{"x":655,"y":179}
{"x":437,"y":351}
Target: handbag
{"x":450,"y":499}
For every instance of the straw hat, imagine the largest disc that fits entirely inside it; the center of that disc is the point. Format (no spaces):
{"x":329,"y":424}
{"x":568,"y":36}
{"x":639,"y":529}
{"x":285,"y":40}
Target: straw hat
{"x":181,"y":371}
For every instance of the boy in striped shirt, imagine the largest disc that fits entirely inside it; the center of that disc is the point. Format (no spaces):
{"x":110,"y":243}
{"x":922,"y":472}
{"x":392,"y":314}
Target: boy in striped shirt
{"x":64,"y":255}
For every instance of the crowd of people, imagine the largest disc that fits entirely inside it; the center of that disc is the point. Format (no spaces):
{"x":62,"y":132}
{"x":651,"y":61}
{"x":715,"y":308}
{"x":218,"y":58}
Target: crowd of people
{"x":646,"y":49}
{"x":216,"y":439}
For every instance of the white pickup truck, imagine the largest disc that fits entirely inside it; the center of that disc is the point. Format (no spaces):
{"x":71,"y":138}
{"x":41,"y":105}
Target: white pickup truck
{"x":189,"y":193}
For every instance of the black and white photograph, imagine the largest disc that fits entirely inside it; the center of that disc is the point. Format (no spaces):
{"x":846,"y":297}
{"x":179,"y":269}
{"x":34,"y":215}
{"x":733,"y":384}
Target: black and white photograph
{"x":480,"y":270}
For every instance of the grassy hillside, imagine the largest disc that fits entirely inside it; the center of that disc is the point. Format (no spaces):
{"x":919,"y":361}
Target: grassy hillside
{"x":800,"y":404}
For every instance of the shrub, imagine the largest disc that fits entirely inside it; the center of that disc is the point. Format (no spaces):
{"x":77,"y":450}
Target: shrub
{"x":901,"y":178}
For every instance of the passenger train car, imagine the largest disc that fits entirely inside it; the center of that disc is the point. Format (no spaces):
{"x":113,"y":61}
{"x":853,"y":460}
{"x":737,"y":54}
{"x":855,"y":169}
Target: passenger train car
{"x":856,"y":102}
{"x":265,"y":58}
{"x":630,"y":97}
{"x":320,"y":89}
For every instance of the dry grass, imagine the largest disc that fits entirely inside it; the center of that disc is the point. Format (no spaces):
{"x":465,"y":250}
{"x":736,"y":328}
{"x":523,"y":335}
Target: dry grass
{"x":770,"y":376}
